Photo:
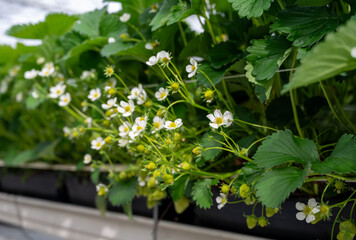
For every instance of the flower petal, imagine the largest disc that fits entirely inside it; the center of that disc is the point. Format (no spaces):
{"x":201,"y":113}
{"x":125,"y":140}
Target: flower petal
{"x":312,"y":203}
{"x":300,"y":216}
{"x":300,"y":206}
{"x":310,"y":218}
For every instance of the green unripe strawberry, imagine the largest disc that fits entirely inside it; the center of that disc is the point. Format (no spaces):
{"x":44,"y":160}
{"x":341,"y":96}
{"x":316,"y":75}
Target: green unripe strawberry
{"x":339,"y":185}
{"x":262,"y":221}
{"x":167,"y":178}
{"x":244,"y":190}
{"x":271,"y":211}
{"x":251,"y":221}
{"x":151,"y":166}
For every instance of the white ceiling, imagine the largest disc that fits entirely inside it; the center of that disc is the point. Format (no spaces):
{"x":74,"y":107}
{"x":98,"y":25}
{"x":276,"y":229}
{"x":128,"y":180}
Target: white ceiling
{"x":31,"y":11}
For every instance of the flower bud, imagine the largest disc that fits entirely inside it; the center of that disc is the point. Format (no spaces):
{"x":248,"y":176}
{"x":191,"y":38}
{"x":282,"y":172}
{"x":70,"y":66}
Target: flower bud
{"x":186,"y":165}
{"x":244,"y":190}
{"x":167,"y":178}
{"x":140,"y":148}
{"x":225,"y":189}
{"x":151,"y":166}
{"x":196,"y":151}
{"x":208,"y":95}
{"x":175,"y":86}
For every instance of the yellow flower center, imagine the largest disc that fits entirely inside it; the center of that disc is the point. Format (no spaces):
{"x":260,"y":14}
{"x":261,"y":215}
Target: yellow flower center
{"x":127,"y":108}
{"x":163,"y":95}
{"x":142,"y":119}
{"x":139,"y":128}
{"x":98,"y":144}
{"x":219,"y":120}
{"x":66,"y":100}
{"x":173,"y":125}
{"x":165,"y":59}
{"x":96,"y":95}
{"x":223,"y":200}
{"x":126,"y":129}
{"x":193,"y":67}
{"x":156,"y":125}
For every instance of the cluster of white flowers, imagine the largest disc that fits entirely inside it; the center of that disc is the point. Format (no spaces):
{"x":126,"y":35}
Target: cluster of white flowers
{"x":218,"y":119}
{"x":307,"y":212}
{"x":58,"y":91}
{"x":47,"y":70}
{"x":139,"y":94}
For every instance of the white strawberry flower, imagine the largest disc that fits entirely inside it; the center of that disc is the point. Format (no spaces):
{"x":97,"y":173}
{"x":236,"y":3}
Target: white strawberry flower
{"x":164,"y":57}
{"x":218,"y":119}
{"x":192,"y":68}
{"x":19,"y":97}
{"x":151,"y":45}
{"x":94,"y":94}
{"x":123,"y":142}
{"x":137,"y":128}
{"x":142,"y":120}
{"x":97,"y":143}
{"x":161,"y":94}
{"x":110,"y":103}
{"x":228,"y":118}
{"x":126,"y":108}
{"x":135,"y":92}
{"x":64,"y":100}
{"x":40,"y":60}
{"x":169,"y":125}
{"x":158,"y":124}
{"x":141,"y":181}
{"x":125,"y":17}
{"x":31,"y":74}
{"x":221,"y":200}
{"x":87,"y":158}
{"x":47,"y":70}
{"x":57,"y":90}
{"x":101,"y":189}
{"x":111,"y":40}
{"x":307,"y":211}
{"x":142,"y":97}
{"x":152,"y":61}
{"x":124,"y":129}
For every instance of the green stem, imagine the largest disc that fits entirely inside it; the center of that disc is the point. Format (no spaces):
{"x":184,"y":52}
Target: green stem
{"x":138,"y":31}
{"x":182,"y":34}
{"x":280,"y":4}
{"x":255,"y":125}
{"x":330,"y":105}
{"x":292,"y":99}
{"x":346,"y":118}
{"x":210,"y":28}
{"x":122,"y":81}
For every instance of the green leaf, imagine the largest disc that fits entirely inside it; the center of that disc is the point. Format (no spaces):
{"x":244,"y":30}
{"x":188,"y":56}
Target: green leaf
{"x":222,"y":54}
{"x":90,"y":44}
{"x":114,"y":48}
{"x":250,"y":8}
{"x":305,"y":26}
{"x":163,"y":15}
{"x":263,"y":88}
{"x":122,"y":192}
{"x":276,"y":185}
{"x":178,"y":188}
{"x":43,"y":150}
{"x":181,"y":205}
{"x":207,"y":142}
{"x":111,"y":26}
{"x":330,"y":58}
{"x":55,"y":23}
{"x":267,"y":55}
{"x":89,"y":23}
{"x":282,"y":147}
{"x":215,"y":75}
{"x":201,"y":192}
{"x":342,"y":160}
{"x":7,"y":54}
{"x":182,"y":10}
{"x":32,"y":103}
